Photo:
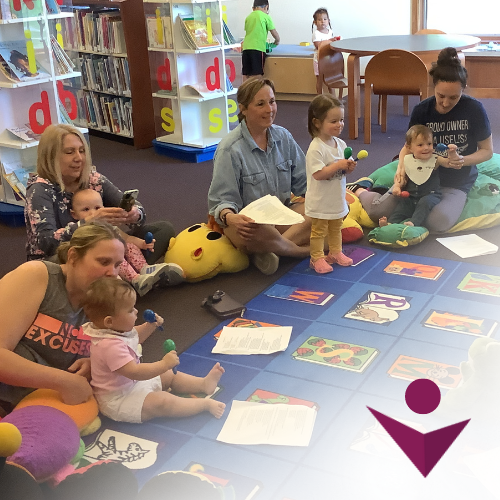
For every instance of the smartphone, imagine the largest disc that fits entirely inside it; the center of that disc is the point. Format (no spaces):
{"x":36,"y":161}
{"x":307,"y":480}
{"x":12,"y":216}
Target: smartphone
{"x":128,"y":199}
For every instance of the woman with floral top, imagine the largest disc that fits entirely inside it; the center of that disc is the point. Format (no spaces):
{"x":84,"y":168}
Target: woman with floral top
{"x":64,"y":167}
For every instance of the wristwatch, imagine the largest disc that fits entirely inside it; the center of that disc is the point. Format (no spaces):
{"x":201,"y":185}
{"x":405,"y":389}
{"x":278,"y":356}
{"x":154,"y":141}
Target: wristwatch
{"x":224,"y":215}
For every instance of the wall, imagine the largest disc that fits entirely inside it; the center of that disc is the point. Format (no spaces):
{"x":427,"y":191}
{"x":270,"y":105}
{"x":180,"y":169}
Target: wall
{"x":352,"y":18}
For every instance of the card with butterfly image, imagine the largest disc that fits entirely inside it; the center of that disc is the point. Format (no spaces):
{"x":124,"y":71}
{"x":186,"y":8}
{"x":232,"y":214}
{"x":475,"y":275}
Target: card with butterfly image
{"x":460,"y":323}
{"x":244,"y":323}
{"x":243,"y":487}
{"x":298,"y":294}
{"x":484,"y":284}
{"x":270,"y":397}
{"x":414,"y":270}
{"x":410,"y":368}
{"x":336,"y":354}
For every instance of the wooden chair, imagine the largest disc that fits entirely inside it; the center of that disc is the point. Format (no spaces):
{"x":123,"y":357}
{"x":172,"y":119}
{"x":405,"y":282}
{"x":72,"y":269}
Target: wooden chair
{"x":392,"y":72}
{"x":331,"y":68}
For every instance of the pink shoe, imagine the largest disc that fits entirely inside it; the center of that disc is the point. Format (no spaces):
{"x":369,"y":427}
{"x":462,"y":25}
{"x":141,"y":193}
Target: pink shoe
{"x":338,"y":258}
{"x":321,"y":266}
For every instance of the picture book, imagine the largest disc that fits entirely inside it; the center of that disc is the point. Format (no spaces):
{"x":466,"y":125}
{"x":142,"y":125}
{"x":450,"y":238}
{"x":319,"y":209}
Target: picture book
{"x":52,"y":7}
{"x":378,"y":307}
{"x":25,"y":133}
{"x":358,"y":254}
{"x":196,"y":35}
{"x":244,"y":323}
{"x":484,"y":284}
{"x":287,"y":292}
{"x":243,"y":487}
{"x":25,"y":9}
{"x":416,"y":270}
{"x":156,"y":38}
{"x":14,"y":54}
{"x":460,"y":323}
{"x":5,"y":12}
{"x":269,"y":397}
{"x":200,"y":90}
{"x":335,"y":353}
{"x":409,"y":368}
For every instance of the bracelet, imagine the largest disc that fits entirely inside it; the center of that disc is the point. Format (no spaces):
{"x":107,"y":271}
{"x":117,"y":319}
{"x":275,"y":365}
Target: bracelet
{"x":224,"y":216}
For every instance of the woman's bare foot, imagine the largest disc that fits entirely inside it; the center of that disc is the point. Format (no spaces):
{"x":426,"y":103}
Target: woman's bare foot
{"x":216,"y":408}
{"x":408,"y":223}
{"x":382,"y":221}
{"x":212,"y":379}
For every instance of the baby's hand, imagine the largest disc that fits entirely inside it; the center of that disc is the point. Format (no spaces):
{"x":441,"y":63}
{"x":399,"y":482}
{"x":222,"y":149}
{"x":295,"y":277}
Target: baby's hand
{"x":159,"y":320}
{"x":171,"y":360}
{"x":351,"y":165}
{"x":396,"y":190}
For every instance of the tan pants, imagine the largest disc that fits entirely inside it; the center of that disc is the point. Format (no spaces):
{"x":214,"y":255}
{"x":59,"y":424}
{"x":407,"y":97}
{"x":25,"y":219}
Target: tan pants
{"x":320,"y":229}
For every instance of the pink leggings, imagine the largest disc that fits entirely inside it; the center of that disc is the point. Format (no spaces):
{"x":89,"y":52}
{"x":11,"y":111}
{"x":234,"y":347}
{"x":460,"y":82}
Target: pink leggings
{"x":133,"y":263}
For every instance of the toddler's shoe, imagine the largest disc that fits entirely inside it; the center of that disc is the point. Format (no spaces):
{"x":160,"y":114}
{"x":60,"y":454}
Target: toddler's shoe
{"x":168,"y":274}
{"x":338,"y":258}
{"x":321,"y":266}
{"x":143,"y":283}
{"x":266,"y":263}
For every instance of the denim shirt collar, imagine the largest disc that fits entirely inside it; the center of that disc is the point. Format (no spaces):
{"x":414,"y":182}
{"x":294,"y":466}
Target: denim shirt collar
{"x":253,"y":145}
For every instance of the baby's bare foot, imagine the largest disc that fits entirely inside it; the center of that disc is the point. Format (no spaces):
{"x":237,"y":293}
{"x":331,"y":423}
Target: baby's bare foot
{"x":212,"y":378}
{"x":408,"y":223}
{"x":382,"y":221}
{"x":216,"y":408}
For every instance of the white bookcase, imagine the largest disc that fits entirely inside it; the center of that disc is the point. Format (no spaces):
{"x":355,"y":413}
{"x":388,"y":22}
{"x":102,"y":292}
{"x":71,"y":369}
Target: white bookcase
{"x":183,"y":115}
{"x":34,"y":100}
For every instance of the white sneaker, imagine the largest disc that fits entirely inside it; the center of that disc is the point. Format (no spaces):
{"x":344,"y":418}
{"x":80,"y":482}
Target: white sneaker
{"x":170,"y":274}
{"x":266,"y":263}
{"x":143,"y":283}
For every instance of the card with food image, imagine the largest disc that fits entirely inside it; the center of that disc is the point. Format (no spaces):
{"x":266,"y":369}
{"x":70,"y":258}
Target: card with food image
{"x":244,"y":323}
{"x":336,"y":353}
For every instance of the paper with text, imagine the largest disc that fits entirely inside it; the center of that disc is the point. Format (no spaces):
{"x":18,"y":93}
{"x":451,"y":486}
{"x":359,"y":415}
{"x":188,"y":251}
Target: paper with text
{"x":270,"y":210}
{"x":264,"y":340}
{"x":257,"y":423}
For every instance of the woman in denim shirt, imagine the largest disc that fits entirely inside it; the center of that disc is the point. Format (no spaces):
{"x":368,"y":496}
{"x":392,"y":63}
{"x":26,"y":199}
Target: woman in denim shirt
{"x":64,"y":166}
{"x":255,"y":159}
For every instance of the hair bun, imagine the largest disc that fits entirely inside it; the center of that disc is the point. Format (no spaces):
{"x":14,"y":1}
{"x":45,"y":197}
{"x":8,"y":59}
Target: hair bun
{"x":448,"y":57}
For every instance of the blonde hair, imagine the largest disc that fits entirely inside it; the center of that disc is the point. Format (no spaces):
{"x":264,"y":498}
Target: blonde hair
{"x":104,"y":296}
{"x":318,"y":109}
{"x":248,"y":90}
{"x":414,"y":131}
{"x":49,"y":149}
{"x":86,"y":237}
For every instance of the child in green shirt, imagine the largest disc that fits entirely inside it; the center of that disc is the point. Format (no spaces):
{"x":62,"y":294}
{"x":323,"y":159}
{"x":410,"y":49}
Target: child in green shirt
{"x":257,"y":24}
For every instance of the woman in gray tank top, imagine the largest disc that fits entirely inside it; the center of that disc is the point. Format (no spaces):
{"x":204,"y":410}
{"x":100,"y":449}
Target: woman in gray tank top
{"x":42,"y":344}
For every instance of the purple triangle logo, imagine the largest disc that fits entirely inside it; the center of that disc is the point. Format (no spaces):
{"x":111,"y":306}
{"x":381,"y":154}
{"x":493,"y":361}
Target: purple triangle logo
{"x":423,"y":449}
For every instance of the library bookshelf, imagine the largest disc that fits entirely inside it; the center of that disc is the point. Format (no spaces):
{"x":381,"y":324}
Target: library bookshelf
{"x":33,"y":75}
{"x":114,"y":93}
{"x":195,"y":66}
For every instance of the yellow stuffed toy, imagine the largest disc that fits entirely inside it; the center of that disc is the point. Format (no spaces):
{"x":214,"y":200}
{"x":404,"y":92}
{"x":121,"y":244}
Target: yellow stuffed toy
{"x":356,"y":219}
{"x":203,"y":253}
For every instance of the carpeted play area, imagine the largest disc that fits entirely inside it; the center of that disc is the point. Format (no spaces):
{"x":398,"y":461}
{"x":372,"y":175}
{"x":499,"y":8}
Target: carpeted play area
{"x":360,"y":335}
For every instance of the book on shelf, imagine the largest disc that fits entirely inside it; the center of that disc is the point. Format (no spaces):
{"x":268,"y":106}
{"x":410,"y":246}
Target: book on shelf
{"x":25,"y":133}
{"x":14,"y":62}
{"x":17,"y":177}
{"x":63,"y":113}
{"x":5,"y":12}
{"x":19,"y":10}
{"x":228,"y":36}
{"x":200,"y":90}
{"x":159,"y":32}
{"x":63,"y":64}
{"x":52,"y":7}
{"x":195,"y":33}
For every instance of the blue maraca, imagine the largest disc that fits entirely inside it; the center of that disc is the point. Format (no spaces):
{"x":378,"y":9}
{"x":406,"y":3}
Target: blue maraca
{"x":150,"y":317}
{"x":169,"y":345}
{"x":440,"y":148}
{"x":148,"y":238}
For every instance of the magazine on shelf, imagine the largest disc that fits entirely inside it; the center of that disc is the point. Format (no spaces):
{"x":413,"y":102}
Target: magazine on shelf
{"x":195,"y":33}
{"x":14,"y":55}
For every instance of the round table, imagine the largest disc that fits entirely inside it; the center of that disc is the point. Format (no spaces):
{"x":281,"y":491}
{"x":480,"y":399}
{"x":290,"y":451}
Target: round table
{"x":425,"y":46}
